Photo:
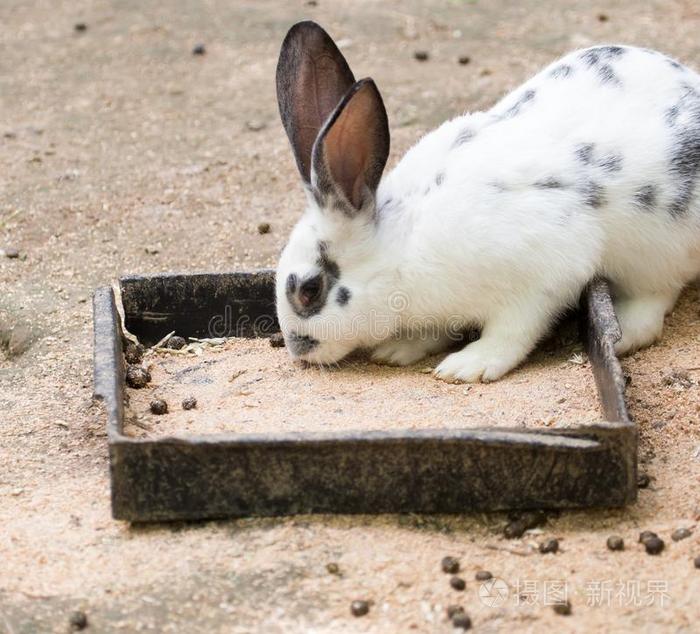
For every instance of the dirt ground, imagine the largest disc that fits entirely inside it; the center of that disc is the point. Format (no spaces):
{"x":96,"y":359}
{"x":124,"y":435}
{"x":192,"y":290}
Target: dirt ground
{"x":121,"y":152}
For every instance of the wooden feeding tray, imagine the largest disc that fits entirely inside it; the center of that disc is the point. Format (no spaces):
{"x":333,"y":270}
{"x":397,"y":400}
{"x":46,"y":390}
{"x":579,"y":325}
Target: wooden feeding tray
{"x":269,"y":438}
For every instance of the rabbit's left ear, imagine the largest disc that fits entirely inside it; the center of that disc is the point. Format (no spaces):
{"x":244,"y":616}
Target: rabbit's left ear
{"x":312,"y":77}
{"x":352,"y":148}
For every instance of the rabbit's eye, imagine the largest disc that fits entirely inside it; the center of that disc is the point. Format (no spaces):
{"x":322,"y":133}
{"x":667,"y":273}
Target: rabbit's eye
{"x":310,"y":290}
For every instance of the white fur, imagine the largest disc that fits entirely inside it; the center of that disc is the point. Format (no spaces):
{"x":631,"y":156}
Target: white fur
{"x":488,"y":248}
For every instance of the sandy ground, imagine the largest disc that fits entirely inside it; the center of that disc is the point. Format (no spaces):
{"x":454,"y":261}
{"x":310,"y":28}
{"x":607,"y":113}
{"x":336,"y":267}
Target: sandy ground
{"x":121,"y":152}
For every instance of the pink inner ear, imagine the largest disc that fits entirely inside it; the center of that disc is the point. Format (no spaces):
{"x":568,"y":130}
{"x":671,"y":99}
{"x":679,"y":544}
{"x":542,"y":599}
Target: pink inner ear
{"x":350,"y":142}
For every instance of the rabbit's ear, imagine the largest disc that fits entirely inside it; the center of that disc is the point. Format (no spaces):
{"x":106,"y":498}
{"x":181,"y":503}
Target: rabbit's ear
{"x":352,"y":149}
{"x":312,"y":77}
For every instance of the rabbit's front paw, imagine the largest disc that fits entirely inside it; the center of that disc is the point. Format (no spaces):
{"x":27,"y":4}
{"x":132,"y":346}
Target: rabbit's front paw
{"x":479,"y":361}
{"x":399,"y":352}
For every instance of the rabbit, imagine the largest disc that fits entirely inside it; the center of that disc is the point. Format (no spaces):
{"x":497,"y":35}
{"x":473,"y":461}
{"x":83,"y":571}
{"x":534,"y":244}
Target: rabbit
{"x":496,"y":220}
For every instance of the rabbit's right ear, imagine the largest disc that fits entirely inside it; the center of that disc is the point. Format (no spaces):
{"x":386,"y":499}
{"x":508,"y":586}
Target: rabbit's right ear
{"x":312,"y":78}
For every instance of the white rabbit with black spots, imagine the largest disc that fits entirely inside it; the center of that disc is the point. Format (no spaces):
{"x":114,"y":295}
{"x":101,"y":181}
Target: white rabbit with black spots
{"x":495,"y":220}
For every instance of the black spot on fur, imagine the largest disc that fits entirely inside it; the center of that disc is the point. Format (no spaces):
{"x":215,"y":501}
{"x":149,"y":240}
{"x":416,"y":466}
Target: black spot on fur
{"x":516,"y":108}
{"x":594,"y":56}
{"x":607,"y":75}
{"x":561,"y":71}
{"x":584,"y":153}
{"x":685,"y":153}
{"x":610,"y":163}
{"x":600,"y":58}
{"x":343,"y":296}
{"x":672,"y":115}
{"x":549,"y":183}
{"x":591,"y":57}
{"x":593,"y":194}
{"x":463,"y":137}
{"x":439,"y":178}
{"x":645,"y":197}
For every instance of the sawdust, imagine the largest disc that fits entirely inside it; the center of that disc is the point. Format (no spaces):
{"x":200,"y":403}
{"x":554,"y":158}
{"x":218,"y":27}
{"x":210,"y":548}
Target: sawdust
{"x":248,"y":387}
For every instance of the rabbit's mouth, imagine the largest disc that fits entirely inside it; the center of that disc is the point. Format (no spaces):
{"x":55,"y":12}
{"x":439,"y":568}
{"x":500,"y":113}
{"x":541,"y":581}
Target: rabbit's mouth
{"x":301,"y":345}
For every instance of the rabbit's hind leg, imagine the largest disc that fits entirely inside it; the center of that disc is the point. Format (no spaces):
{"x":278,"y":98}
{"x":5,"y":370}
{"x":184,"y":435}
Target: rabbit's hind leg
{"x":641,"y":319}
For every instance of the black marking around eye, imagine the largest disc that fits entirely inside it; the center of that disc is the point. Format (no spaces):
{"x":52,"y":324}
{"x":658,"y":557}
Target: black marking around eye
{"x":584,"y":153}
{"x":463,"y":137}
{"x":645,"y":197}
{"x":328,"y":266}
{"x":291,"y":284}
{"x":561,"y":71}
{"x":674,"y":64}
{"x":524,"y":99}
{"x":549,"y":183}
{"x":439,"y":178}
{"x":343,"y":296}
{"x":593,"y":194}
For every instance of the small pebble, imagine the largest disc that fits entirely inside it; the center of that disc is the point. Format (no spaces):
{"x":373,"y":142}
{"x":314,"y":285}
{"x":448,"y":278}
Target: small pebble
{"x":11,"y":253}
{"x":159,"y":406}
{"x":549,"y":546}
{"x":263,"y":228}
{"x":134,"y":353}
{"x":421,"y":56}
{"x":464,"y":60}
{"x":483,"y":575}
{"x":654,"y":545}
{"x":311,"y":3}
{"x":453,"y":610}
{"x":643,"y":481}
{"x":485,"y":72}
{"x":255,"y":125}
{"x":458,"y":583}
{"x":199,"y":49}
{"x":176,"y":343}
{"x":696,"y":562}
{"x":563,"y":608}
{"x":461,"y":621}
{"x":277,"y":340}
{"x":189,"y":403}
{"x":615,"y":542}
{"x":78,"y":620}
{"x":333,"y":568}
{"x":359,"y":608}
{"x":450,"y":565}
{"x":644,"y":535}
{"x":680,"y":533}
{"x":80,"y":27}
{"x":137,"y":377}
{"x":603,"y":17}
